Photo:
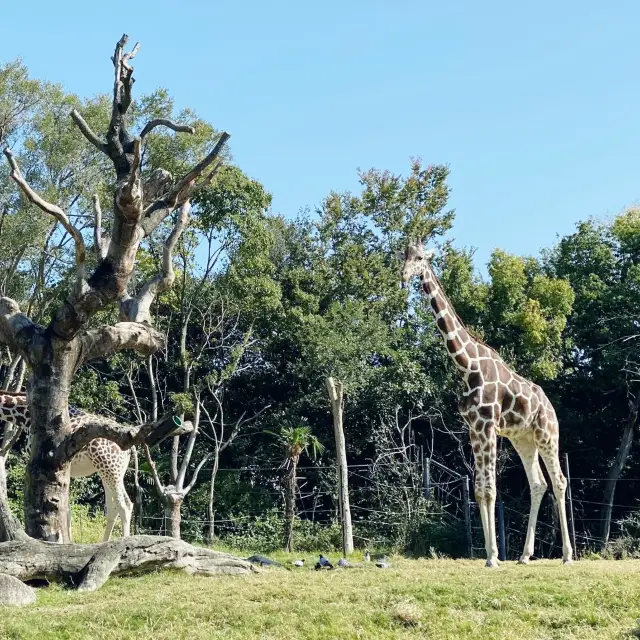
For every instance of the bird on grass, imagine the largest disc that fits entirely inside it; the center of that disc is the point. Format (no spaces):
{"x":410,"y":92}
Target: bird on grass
{"x":323,"y":563}
{"x":383,"y":564}
{"x":367,"y":555}
{"x":344,"y":563}
{"x":298,"y":563}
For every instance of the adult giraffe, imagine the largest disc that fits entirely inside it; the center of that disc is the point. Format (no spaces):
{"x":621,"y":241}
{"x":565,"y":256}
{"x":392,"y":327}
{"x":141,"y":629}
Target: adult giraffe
{"x":496,"y":401}
{"x":100,"y":456}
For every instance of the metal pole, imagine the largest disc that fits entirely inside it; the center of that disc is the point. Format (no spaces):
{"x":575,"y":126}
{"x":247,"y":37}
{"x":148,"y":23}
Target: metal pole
{"x":501,"y":542}
{"x":572,"y":526}
{"x":467,"y":515}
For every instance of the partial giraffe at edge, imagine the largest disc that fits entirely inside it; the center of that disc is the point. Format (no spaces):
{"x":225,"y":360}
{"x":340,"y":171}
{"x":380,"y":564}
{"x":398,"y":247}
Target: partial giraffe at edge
{"x":100,"y":456}
{"x":496,"y":401}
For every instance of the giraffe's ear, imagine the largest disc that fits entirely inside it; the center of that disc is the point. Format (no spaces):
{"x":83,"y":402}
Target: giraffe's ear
{"x":399,"y":255}
{"x":429,"y":253}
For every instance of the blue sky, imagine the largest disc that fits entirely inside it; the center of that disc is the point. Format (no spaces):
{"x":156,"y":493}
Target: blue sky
{"x":535,"y":107}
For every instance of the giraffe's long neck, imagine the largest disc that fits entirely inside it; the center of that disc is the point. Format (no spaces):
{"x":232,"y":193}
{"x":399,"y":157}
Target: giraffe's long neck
{"x":461,"y":346}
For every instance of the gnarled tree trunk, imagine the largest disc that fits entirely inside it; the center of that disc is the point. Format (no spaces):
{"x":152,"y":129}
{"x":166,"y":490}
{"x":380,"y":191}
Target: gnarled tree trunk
{"x":55,"y":352}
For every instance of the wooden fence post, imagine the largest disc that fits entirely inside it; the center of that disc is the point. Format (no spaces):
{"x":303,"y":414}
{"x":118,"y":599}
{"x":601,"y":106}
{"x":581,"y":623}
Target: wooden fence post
{"x":336,"y":392}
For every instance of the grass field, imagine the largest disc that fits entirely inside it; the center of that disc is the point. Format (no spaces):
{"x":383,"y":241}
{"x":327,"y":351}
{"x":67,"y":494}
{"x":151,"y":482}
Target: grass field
{"x":413,"y":599}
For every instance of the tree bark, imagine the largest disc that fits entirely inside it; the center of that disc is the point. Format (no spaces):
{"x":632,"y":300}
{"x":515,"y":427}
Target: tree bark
{"x":290,"y":505}
{"x":46,"y":494}
{"x":172,"y":513}
{"x":617,"y":467}
{"x":54,"y":353}
{"x":88,"y":566}
{"x":336,"y":395}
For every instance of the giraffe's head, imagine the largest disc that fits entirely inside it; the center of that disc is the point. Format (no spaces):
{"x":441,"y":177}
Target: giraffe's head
{"x":416,"y":258}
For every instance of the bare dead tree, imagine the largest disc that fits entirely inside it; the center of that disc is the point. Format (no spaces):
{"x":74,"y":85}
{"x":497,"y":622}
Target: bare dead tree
{"x":173,"y":495}
{"x":54,"y":351}
{"x":223,"y":435}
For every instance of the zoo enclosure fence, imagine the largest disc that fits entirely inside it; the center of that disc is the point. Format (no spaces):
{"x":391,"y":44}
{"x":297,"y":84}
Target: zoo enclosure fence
{"x":423,"y":507}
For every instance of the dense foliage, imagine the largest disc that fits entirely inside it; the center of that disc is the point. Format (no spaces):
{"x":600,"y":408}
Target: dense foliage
{"x":266,"y":306}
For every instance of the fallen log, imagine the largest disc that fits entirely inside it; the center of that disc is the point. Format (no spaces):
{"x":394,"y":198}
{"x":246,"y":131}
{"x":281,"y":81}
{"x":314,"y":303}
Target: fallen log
{"x":88,"y":566}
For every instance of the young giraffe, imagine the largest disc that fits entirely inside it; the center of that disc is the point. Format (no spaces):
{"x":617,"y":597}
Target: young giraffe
{"x":496,"y":401}
{"x":100,"y":456}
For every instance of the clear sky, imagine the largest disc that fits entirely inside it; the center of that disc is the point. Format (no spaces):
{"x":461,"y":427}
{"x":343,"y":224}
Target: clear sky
{"x":535,"y":106}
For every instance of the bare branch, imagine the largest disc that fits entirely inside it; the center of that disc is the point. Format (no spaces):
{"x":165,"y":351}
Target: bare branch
{"x":99,"y":144}
{"x":154,"y":470}
{"x":16,"y":329}
{"x":98,"y":343}
{"x":196,"y":472}
{"x":101,"y":241}
{"x":162,"y":122}
{"x":124,"y":436}
{"x":138,"y":309}
{"x":11,"y":434}
{"x":186,"y":458}
{"x":57,"y":213}
{"x":156,"y":212}
{"x":202,"y":166}
{"x":133,"y":176}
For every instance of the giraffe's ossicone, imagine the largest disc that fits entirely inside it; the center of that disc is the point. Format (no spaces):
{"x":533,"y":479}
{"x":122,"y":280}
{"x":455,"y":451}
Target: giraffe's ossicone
{"x":496,"y":401}
{"x":100,"y":456}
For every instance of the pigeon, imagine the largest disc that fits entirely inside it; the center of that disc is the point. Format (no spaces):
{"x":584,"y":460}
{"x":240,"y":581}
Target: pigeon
{"x":344,"y":563}
{"x":367,"y":555}
{"x":383,"y":565}
{"x":297,"y":563}
{"x":323,"y":563}
{"x":263,"y":561}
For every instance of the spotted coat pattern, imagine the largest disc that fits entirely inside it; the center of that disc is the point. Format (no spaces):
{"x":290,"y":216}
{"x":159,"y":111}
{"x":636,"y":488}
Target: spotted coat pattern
{"x":100,"y":456}
{"x":496,"y":402}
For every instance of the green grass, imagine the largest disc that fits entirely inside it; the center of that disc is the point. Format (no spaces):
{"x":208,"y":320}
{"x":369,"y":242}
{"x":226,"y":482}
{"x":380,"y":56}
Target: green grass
{"x":413,"y":599}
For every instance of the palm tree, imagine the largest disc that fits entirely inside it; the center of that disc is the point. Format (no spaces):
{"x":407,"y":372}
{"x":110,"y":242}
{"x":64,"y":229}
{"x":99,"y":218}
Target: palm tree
{"x":295,"y":439}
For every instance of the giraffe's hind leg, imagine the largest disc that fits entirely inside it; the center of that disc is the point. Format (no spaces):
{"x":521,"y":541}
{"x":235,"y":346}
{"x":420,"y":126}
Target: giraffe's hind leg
{"x":125,"y":507}
{"x":528,"y":453}
{"x":546,"y":438}
{"x":111,"y":511}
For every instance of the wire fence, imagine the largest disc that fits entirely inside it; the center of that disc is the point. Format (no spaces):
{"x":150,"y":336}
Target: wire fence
{"x":421,"y":507}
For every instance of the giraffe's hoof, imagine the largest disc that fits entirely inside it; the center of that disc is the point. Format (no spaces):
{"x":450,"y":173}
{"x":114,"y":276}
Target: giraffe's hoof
{"x":567,"y":561}
{"x":491,"y":564}
{"x":523,"y":560}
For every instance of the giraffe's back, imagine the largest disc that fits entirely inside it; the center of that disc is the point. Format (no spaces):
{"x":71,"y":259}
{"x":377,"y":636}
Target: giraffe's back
{"x":100,"y":455}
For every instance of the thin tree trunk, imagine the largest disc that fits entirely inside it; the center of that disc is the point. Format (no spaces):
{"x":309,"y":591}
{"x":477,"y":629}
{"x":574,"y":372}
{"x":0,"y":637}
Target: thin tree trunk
{"x":336,"y":395}
{"x":11,"y":372}
{"x":172,"y":514}
{"x":211,"y":506}
{"x":290,"y":505}
{"x":617,"y":467}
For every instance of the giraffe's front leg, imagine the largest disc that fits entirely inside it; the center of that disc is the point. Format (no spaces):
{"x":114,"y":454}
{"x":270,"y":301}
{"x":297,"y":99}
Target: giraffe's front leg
{"x":483,"y":442}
